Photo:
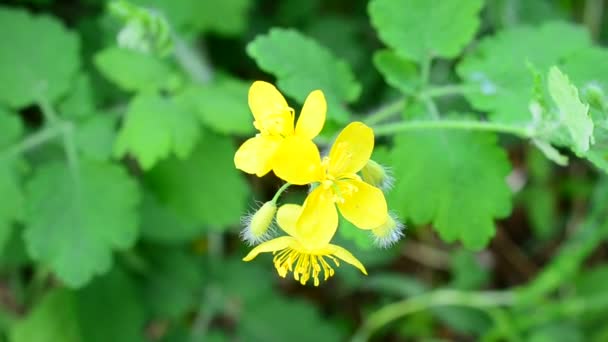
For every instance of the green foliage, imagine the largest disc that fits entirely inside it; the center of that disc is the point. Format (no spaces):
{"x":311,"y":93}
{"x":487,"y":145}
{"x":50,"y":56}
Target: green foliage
{"x":132,"y":70}
{"x":497,"y":66}
{"x":572,"y":111}
{"x":419,"y":29}
{"x":155,"y":127}
{"x":192,"y":187}
{"x":461,"y":194}
{"x":47,"y":56}
{"x":77,"y":216}
{"x":120,"y":203}
{"x":301,"y":65}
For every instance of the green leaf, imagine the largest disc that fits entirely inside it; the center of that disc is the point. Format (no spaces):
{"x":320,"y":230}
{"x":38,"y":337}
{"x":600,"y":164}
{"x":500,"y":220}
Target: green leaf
{"x":155,"y":127}
{"x":10,"y":187}
{"x":53,"y":319}
{"x":418,"y":29}
{"x":40,"y":60}
{"x":80,"y":102}
{"x":362,"y":238}
{"x":301,"y":65}
{"x":132,"y":70}
{"x":310,"y":325}
{"x":226,"y":17}
{"x":75,"y":221}
{"x":467,"y":271}
{"x":222,"y":106}
{"x":573,"y":113}
{"x":205,"y":188}
{"x":176,"y":285}
{"x":540,"y":202}
{"x":398,"y":72}
{"x":110,"y":309}
{"x":454,"y":179}
{"x":163,"y":224}
{"x":95,"y":136}
{"x":497,"y":66}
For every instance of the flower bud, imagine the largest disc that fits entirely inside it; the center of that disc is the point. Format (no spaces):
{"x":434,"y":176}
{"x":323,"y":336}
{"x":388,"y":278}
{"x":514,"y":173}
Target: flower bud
{"x":257,"y":225}
{"x":377,"y":175}
{"x":388,"y":233}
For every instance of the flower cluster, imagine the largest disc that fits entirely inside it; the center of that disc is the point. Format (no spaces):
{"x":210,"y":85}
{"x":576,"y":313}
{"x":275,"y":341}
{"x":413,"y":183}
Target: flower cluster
{"x":345,"y":181}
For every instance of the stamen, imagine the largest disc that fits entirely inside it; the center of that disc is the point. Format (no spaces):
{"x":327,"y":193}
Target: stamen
{"x":307,"y":265}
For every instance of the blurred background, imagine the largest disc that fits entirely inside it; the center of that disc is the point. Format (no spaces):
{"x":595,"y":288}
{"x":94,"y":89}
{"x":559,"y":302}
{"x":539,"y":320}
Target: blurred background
{"x":126,"y":228}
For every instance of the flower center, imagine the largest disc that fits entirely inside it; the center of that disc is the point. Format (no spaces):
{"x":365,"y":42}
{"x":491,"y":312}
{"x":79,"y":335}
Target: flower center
{"x":307,"y":265}
{"x":279,"y":123}
{"x":339,"y":185}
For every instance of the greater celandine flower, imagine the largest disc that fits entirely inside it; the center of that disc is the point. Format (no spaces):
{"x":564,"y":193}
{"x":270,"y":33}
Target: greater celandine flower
{"x":338,"y":182}
{"x":274,"y":120}
{"x":307,"y":253}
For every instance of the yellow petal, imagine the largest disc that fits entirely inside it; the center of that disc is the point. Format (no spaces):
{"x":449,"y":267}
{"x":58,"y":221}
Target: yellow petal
{"x":256,"y":154}
{"x":287,"y":216}
{"x":270,"y":246}
{"x":351,"y":150}
{"x":297,"y":161}
{"x":312,"y":118}
{"x":347,"y":256}
{"x":265,"y":99}
{"x":363,"y":205}
{"x":319,"y":219}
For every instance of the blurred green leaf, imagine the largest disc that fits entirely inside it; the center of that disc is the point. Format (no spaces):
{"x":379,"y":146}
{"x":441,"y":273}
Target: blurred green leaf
{"x":206,"y":188}
{"x":497,"y":66}
{"x":40,"y":60}
{"x":11,"y":209}
{"x":53,"y":319}
{"x":155,"y":127}
{"x":163,"y":224}
{"x":289,"y":318}
{"x":95,"y":136}
{"x":419,"y":29}
{"x":362,"y":238}
{"x":80,"y":102}
{"x":301,"y":65}
{"x":132,"y":70}
{"x":226,"y":17}
{"x":557,"y":332}
{"x":176,"y":283}
{"x":461,"y":193}
{"x":541,"y":206}
{"x":110,"y":309}
{"x":467,"y":271}
{"x":573,"y":113}
{"x":74,"y":221}
{"x":222,"y":106}
{"x":398,"y":72}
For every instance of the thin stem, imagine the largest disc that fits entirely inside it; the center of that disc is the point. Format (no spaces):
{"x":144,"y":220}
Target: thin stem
{"x":34,"y":140}
{"x":446,"y":90}
{"x":193,"y":62}
{"x":385,"y":112}
{"x":48,"y":112}
{"x":445,"y":297}
{"x":279,"y":192}
{"x":399,"y":127}
{"x":431,"y":107}
{"x":425,"y":71}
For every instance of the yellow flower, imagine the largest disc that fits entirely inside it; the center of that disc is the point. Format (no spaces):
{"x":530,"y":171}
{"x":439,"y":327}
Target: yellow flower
{"x":303,"y":252}
{"x":274,"y":120}
{"x":359,"y":202}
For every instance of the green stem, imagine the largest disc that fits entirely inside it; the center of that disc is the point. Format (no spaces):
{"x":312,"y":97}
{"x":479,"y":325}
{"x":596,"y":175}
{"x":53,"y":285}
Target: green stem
{"x":425,"y":71}
{"x":446,"y":90}
{"x":404,"y":126}
{"x":34,"y":140}
{"x":445,"y":297}
{"x":193,"y":62}
{"x":385,"y":112}
{"x":431,"y":107}
{"x":592,"y":16}
{"x":67,"y":130}
{"x":279,"y":192}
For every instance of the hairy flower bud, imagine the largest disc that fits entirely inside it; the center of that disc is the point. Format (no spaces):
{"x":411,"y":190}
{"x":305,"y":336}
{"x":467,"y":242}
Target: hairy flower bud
{"x":257,"y":225}
{"x":388,"y":233}
{"x":377,"y":175}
